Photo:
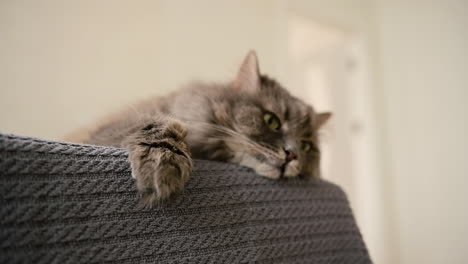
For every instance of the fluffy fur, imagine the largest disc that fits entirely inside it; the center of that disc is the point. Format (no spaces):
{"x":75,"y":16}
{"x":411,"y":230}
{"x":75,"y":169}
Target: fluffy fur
{"x":252,"y":121}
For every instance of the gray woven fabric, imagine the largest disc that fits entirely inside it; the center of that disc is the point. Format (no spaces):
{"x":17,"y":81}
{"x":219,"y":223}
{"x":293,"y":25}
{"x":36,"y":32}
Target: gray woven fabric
{"x":68,"y":203}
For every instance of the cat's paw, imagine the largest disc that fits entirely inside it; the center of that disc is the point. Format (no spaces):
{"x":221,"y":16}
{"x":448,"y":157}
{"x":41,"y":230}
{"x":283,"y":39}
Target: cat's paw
{"x":160,"y":159}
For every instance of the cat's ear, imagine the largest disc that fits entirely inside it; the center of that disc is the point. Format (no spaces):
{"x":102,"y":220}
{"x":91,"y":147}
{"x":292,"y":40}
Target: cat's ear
{"x":321,"y":119}
{"x":248,"y":77}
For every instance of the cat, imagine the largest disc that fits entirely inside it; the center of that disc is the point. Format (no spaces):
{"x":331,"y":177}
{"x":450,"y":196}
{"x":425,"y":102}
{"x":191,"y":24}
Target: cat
{"x":252,"y":121}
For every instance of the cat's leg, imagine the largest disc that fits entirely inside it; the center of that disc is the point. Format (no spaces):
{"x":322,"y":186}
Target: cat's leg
{"x":159,"y":157}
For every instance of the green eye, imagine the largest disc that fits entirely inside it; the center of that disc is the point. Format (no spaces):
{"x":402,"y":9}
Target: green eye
{"x":306,"y":146}
{"x":272,"y":121}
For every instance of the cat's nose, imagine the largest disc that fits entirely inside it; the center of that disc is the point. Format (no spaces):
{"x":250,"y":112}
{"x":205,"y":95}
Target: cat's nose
{"x":290,"y":155}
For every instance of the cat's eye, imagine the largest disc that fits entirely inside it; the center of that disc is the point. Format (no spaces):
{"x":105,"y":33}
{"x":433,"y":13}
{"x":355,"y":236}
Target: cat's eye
{"x":272,"y":121}
{"x":306,"y":146}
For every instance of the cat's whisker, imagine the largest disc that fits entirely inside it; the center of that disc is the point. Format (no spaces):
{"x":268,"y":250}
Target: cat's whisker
{"x":255,"y":148}
{"x":240,"y":139}
{"x":252,"y":148}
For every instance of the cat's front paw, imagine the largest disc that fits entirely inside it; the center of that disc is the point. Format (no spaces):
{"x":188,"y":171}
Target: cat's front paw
{"x":160,"y":160}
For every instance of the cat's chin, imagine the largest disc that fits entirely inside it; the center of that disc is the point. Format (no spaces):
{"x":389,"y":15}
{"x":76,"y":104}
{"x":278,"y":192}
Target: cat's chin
{"x":260,"y":167}
{"x":271,"y":171}
{"x":292,"y":169}
{"x":267,"y":170}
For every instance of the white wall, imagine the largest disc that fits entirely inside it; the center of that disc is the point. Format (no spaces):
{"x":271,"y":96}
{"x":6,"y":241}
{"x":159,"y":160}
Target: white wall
{"x":64,"y":63}
{"x":424,"y":71}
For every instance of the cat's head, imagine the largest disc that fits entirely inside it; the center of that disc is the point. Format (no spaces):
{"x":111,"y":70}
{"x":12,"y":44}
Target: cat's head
{"x":280,"y":130}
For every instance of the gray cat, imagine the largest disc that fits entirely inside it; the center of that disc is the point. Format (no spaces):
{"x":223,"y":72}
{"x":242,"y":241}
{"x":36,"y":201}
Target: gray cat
{"x":251,"y":121}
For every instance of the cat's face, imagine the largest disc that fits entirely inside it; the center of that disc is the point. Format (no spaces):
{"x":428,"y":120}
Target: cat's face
{"x":281,"y":131}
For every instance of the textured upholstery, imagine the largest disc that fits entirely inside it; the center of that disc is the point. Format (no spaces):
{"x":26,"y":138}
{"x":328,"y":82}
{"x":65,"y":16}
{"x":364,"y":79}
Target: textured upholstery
{"x":69,"y":203}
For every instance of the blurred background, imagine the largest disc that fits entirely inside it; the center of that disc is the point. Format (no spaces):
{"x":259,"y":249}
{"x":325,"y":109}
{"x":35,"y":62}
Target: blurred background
{"x":394,"y":73}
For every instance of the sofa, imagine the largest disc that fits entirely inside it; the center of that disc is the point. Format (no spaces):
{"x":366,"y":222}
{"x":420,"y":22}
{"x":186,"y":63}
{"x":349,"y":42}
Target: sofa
{"x":73,"y":203}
